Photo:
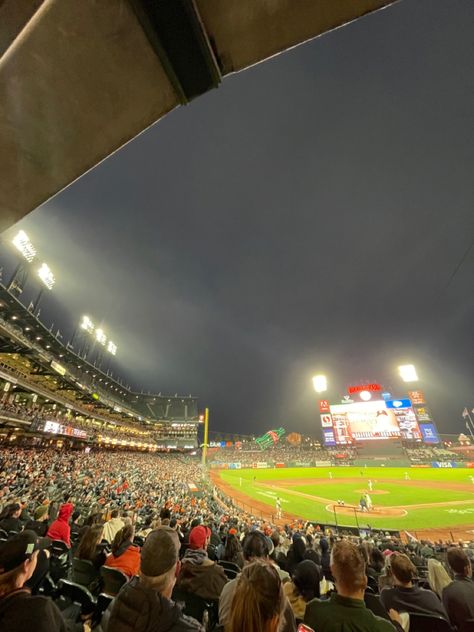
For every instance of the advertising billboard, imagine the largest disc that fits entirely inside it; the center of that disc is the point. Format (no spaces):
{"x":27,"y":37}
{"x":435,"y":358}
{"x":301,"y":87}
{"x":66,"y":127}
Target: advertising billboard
{"x":429,"y":432}
{"x":328,"y":436}
{"x":364,"y":421}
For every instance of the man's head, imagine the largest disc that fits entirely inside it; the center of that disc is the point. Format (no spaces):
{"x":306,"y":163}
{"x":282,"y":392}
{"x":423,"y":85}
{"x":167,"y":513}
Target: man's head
{"x":114,"y":513}
{"x":18,"y":558}
{"x":348,"y":569}
{"x":256,"y":546}
{"x":459,"y":562}
{"x":159,"y":562}
{"x":199,"y":537}
{"x":403,"y":569}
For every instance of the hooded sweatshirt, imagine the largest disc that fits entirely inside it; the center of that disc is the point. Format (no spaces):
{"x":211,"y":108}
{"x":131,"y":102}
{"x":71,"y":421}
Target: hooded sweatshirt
{"x":140,"y":609}
{"x":60,"y":529}
{"x":200,"y":576}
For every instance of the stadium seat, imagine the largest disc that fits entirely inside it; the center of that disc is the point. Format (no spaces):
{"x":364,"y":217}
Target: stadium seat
{"x":112,"y":580}
{"x":71,"y":593}
{"x":103,"y":602}
{"x":59,"y":548}
{"x":3,"y":534}
{"x":204,"y":611}
{"x":230,"y":569}
{"x":428,"y":623}
{"x":59,"y":562}
{"x":374,"y":604}
{"x":84,"y":573}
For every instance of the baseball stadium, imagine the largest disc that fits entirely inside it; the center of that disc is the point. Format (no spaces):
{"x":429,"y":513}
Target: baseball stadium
{"x":124,"y":509}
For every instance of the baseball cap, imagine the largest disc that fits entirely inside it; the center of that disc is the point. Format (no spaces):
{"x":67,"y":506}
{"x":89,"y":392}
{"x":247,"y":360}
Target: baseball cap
{"x":18,"y":549}
{"x":198,"y":537}
{"x":160,"y":552}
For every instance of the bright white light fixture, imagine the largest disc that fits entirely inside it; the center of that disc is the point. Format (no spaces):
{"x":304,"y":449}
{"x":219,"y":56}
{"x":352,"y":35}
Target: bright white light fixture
{"x":100,"y":336}
{"x":320,"y":383}
{"x":365,"y":395}
{"x":112,"y":347}
{"x":408,"y":373}
{"x":46,"y":276}
{"x":22,"y":243}
{"x":87,"y":324}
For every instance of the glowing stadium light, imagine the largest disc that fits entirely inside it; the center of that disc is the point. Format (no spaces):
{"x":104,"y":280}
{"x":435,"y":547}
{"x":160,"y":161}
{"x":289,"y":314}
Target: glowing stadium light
{"x":87,"y":324}
{"x":408,"y":373}
{"x":365,"y":396}
{"x":320,"y":383}
{"x":100,"y":336}
{"x":112,"y":347}
{"x":46,"y":276}
{"x":22,"y":243}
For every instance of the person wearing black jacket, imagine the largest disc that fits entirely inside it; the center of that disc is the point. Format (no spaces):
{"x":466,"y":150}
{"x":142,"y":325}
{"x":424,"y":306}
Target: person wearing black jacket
{"x":40,"y":523}
{"x":407,"y":597}
{"x":144,"y":604}
{"x":10,"y":518}
{"x":458,"y":596}
{"x":19,"y":611}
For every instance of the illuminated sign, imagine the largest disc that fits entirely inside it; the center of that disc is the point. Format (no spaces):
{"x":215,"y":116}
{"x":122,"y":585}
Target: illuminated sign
{"x":364,"y":387}
{"x":326,"y":421}
{"x":324,"y":406}
{"x":398,"y":403}
{"x":423,"y":414}
{"x":417,"y":397}
{"x":58,"y":367}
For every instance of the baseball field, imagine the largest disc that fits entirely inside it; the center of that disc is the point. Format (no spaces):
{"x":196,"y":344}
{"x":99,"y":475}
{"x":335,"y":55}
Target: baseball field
{"x":404,"y":499}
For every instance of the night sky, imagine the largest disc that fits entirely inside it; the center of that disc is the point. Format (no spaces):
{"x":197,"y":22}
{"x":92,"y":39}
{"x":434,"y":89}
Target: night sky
{"x":308,"y":216}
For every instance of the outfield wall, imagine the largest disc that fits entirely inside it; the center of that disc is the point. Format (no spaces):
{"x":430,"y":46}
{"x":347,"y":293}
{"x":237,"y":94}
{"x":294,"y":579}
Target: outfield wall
{"x":377,"y":462}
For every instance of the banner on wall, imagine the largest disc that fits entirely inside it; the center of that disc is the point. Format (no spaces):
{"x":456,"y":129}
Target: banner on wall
{"x":429,"y":432}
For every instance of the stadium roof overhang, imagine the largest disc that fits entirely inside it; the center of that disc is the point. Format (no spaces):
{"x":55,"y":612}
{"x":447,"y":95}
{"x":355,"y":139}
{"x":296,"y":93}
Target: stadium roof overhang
{"x":78,"y":80}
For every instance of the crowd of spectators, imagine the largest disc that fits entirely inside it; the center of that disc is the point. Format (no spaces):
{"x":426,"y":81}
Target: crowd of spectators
{"x":188,"y":559}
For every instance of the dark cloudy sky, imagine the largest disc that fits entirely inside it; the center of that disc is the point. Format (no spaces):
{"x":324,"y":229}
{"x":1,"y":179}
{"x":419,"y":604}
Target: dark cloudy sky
{"x":305,"y":217}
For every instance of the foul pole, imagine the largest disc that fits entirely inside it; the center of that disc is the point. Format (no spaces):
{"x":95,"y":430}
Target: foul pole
{"x":206,"y":436}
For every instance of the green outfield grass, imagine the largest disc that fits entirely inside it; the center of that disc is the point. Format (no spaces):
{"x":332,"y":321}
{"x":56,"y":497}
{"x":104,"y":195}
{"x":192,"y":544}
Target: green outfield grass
{"x":422,"y":488}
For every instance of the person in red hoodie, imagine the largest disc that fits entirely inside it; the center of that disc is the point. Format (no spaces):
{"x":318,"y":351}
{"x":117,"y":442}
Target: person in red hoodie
{"x":60,"y":528}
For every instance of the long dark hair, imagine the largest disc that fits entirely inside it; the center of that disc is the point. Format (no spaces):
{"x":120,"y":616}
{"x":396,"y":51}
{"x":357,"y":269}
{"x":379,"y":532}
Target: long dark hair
{"x":87,"y":549}
{"x":9,"y":510}
{"x":122,"y":537}
{"x":233,"y":550}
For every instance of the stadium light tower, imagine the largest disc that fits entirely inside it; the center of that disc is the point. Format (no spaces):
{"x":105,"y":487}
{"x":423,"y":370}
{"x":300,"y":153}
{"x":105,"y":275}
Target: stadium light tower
{"x":46,"y":275}
{"x":22,"y":243}
{"x":408,"y":373}
{"x":320,"y":383}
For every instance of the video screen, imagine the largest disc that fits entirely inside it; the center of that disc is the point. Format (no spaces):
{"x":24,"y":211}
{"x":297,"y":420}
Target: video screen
{"x":367,"y":421}
{"x":364,"y":421}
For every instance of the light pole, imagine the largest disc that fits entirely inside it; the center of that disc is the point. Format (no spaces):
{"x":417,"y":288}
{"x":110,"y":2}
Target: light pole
{"x":206,"y":436}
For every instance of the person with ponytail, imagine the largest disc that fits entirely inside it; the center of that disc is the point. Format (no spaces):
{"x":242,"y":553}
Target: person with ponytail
{"x":125,"y":556}
{"x":258,"y":601}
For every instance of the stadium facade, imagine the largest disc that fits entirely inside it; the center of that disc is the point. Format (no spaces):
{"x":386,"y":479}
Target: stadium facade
{"x":50,"y":389}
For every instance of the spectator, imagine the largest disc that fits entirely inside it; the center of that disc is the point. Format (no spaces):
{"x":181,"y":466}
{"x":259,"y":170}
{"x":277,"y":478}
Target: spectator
{"x":346,"y":610}
{"x":113,"y":526}
{"x":258,"y":601}
{"x":405,"y":596}
{"x":10,"y":518}
{"x":125,"y":556}
{"x":199,"y":575}
{"x":89,"y":547}
{"x":296,"y":553}
{"x":256,"y":547}
{"x":233,"y":551}
{"x":19,"y":611}
{"x":144,"y":604}
{"x":40,"y":523}
{"x":438,"y":578}
{"x":60,"y":528}
{"x":303,"y":588}
{"x":75,"y":527}
{"x":325,"y":558}
{"x":458,"y":597}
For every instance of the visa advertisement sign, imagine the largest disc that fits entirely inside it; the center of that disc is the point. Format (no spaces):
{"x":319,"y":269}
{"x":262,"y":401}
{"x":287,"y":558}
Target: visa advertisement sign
{"x":429,"y":432}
